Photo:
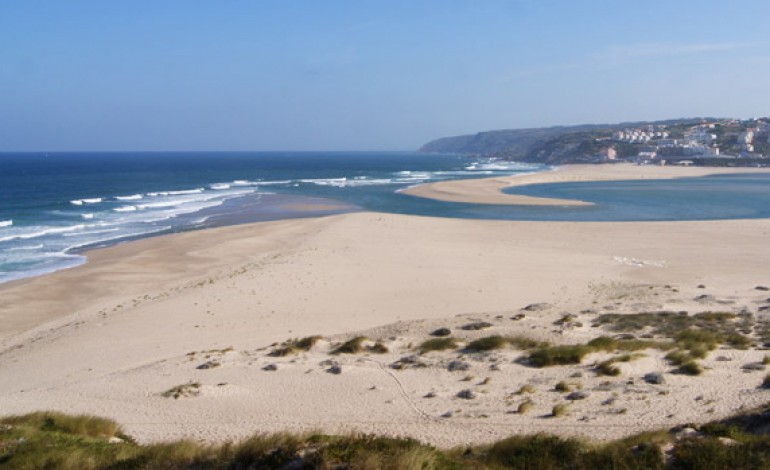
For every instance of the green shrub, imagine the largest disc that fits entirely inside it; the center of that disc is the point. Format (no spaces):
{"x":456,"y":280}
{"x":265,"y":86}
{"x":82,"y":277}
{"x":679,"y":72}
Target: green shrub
{"x":558,"y":355}
{"x":603,"y":343}
{"x":690,"y":368}
{"x":559,"y":410}
{"x":690,"y":339}
{"x":524,"y":407}
{"x":295,"y":346}
{"x":562,"y":387}
{"x":438,"y":344}
{"x":608,"y":368}
{"x":488,"y":343}
{"x":523,"y":343}
{"x":678,"y":357}
{"x":352,"y":346}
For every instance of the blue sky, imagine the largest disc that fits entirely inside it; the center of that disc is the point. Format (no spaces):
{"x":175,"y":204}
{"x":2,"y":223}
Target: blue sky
{"x":364,"y":74}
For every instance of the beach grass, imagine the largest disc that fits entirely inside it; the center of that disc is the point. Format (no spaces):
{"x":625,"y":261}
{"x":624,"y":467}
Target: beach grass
{"x":438,"y":344}
{"x":56,"y":440}
{"x":295,"y":346}
{"x":488,"y":343}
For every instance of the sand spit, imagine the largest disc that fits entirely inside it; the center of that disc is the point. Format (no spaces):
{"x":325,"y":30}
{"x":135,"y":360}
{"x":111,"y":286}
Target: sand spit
{"x":489,"y":190}
{"x":200,"y":316}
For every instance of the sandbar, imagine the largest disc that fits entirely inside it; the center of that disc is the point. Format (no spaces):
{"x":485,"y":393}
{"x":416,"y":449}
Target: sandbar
{"x":489,"y":190}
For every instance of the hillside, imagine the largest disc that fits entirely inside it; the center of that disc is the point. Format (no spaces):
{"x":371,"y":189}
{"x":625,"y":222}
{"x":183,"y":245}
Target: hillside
{"x":696,"y":138}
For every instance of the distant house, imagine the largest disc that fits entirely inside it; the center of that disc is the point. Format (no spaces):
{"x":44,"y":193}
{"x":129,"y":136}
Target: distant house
{"x":608,"y":153}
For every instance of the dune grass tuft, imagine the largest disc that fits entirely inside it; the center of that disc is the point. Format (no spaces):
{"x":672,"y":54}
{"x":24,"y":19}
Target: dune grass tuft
{"x":438,"y":344}
{"x":524,"y":406}
{"x":295,"y":346}
{"x":488,"y":343}
{"x":352,"y":346}
{"x":190,"y":389}
{"x":559,"y":410}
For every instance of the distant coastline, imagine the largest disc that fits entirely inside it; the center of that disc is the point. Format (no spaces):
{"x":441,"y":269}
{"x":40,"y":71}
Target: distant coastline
{"x":709,"y":141}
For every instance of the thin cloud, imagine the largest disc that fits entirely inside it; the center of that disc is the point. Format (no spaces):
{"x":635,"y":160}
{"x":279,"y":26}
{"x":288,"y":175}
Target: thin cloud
{"x":653,"y":50}
{"x":615,"y":56}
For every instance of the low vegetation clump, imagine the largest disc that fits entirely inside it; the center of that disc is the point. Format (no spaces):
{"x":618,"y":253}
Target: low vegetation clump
{"x":566,"y":319}
{"x":190,"y":389}
{"x":550,"y":452}
{"x":377,"y":348}
{"x":488,"y":343}
{"x":558,"y":355}
{"x":54,"y":440}
{"x":559,"y":410}
{"x":545,"y":356}
{"x":524,"y":406}
{"x":690,"y":368}
{"x":438,"y":344}
{"x":352,"y":346}
{"x":563,"y":387}
{"x":523,"y":343}
{"x":296,"y":346}
{"x":527,"y":388}
{"x":709,"y":328}
{"x":609,"y":368}
{"x":358,"y":345}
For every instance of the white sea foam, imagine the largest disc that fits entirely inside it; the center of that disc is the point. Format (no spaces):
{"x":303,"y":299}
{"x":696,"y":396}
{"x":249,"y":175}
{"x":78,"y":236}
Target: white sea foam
{"x":42,"y":233}
{"x":25,"y":248}
{"x":125,"y":209}
{"x":133,"y":197}
{"x":337,"y":182}
{"x":91,"y":200}
{"x":176,"y":193}
{"x":219,"y":186}
{"x":260,"y":183}
{"x":6,"y":223}
{"x":90,"y":215}
{"x":91,"y":232}
{"x":245,"y":183}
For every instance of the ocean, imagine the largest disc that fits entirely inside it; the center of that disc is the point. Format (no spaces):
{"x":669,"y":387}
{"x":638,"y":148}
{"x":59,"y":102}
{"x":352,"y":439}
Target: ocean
{"x":54,"y":206}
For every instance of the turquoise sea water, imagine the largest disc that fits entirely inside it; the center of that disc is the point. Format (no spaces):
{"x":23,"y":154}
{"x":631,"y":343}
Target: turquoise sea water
{"x":52,"y":207}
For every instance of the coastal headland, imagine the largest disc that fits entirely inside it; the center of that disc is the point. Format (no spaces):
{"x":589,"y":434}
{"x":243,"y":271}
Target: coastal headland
{"x":198,"y":334}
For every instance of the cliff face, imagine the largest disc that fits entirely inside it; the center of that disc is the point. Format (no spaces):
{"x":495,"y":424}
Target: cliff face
{"x":517,"y":141}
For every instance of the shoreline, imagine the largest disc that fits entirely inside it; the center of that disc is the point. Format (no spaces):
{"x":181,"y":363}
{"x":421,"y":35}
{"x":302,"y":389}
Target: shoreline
{"x":111,"y":336}
{"x":489,"y":190}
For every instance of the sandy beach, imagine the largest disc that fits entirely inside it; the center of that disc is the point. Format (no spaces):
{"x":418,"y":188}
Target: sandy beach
{"x":206,"y":312}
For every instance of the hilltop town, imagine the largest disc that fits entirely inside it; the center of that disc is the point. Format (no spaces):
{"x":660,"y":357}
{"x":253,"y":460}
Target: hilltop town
{"x":702,"y":141}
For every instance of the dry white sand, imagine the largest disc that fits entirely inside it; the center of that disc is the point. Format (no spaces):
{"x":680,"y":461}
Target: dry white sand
{"x":109,"y":337}
{"x":489,"y":190}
